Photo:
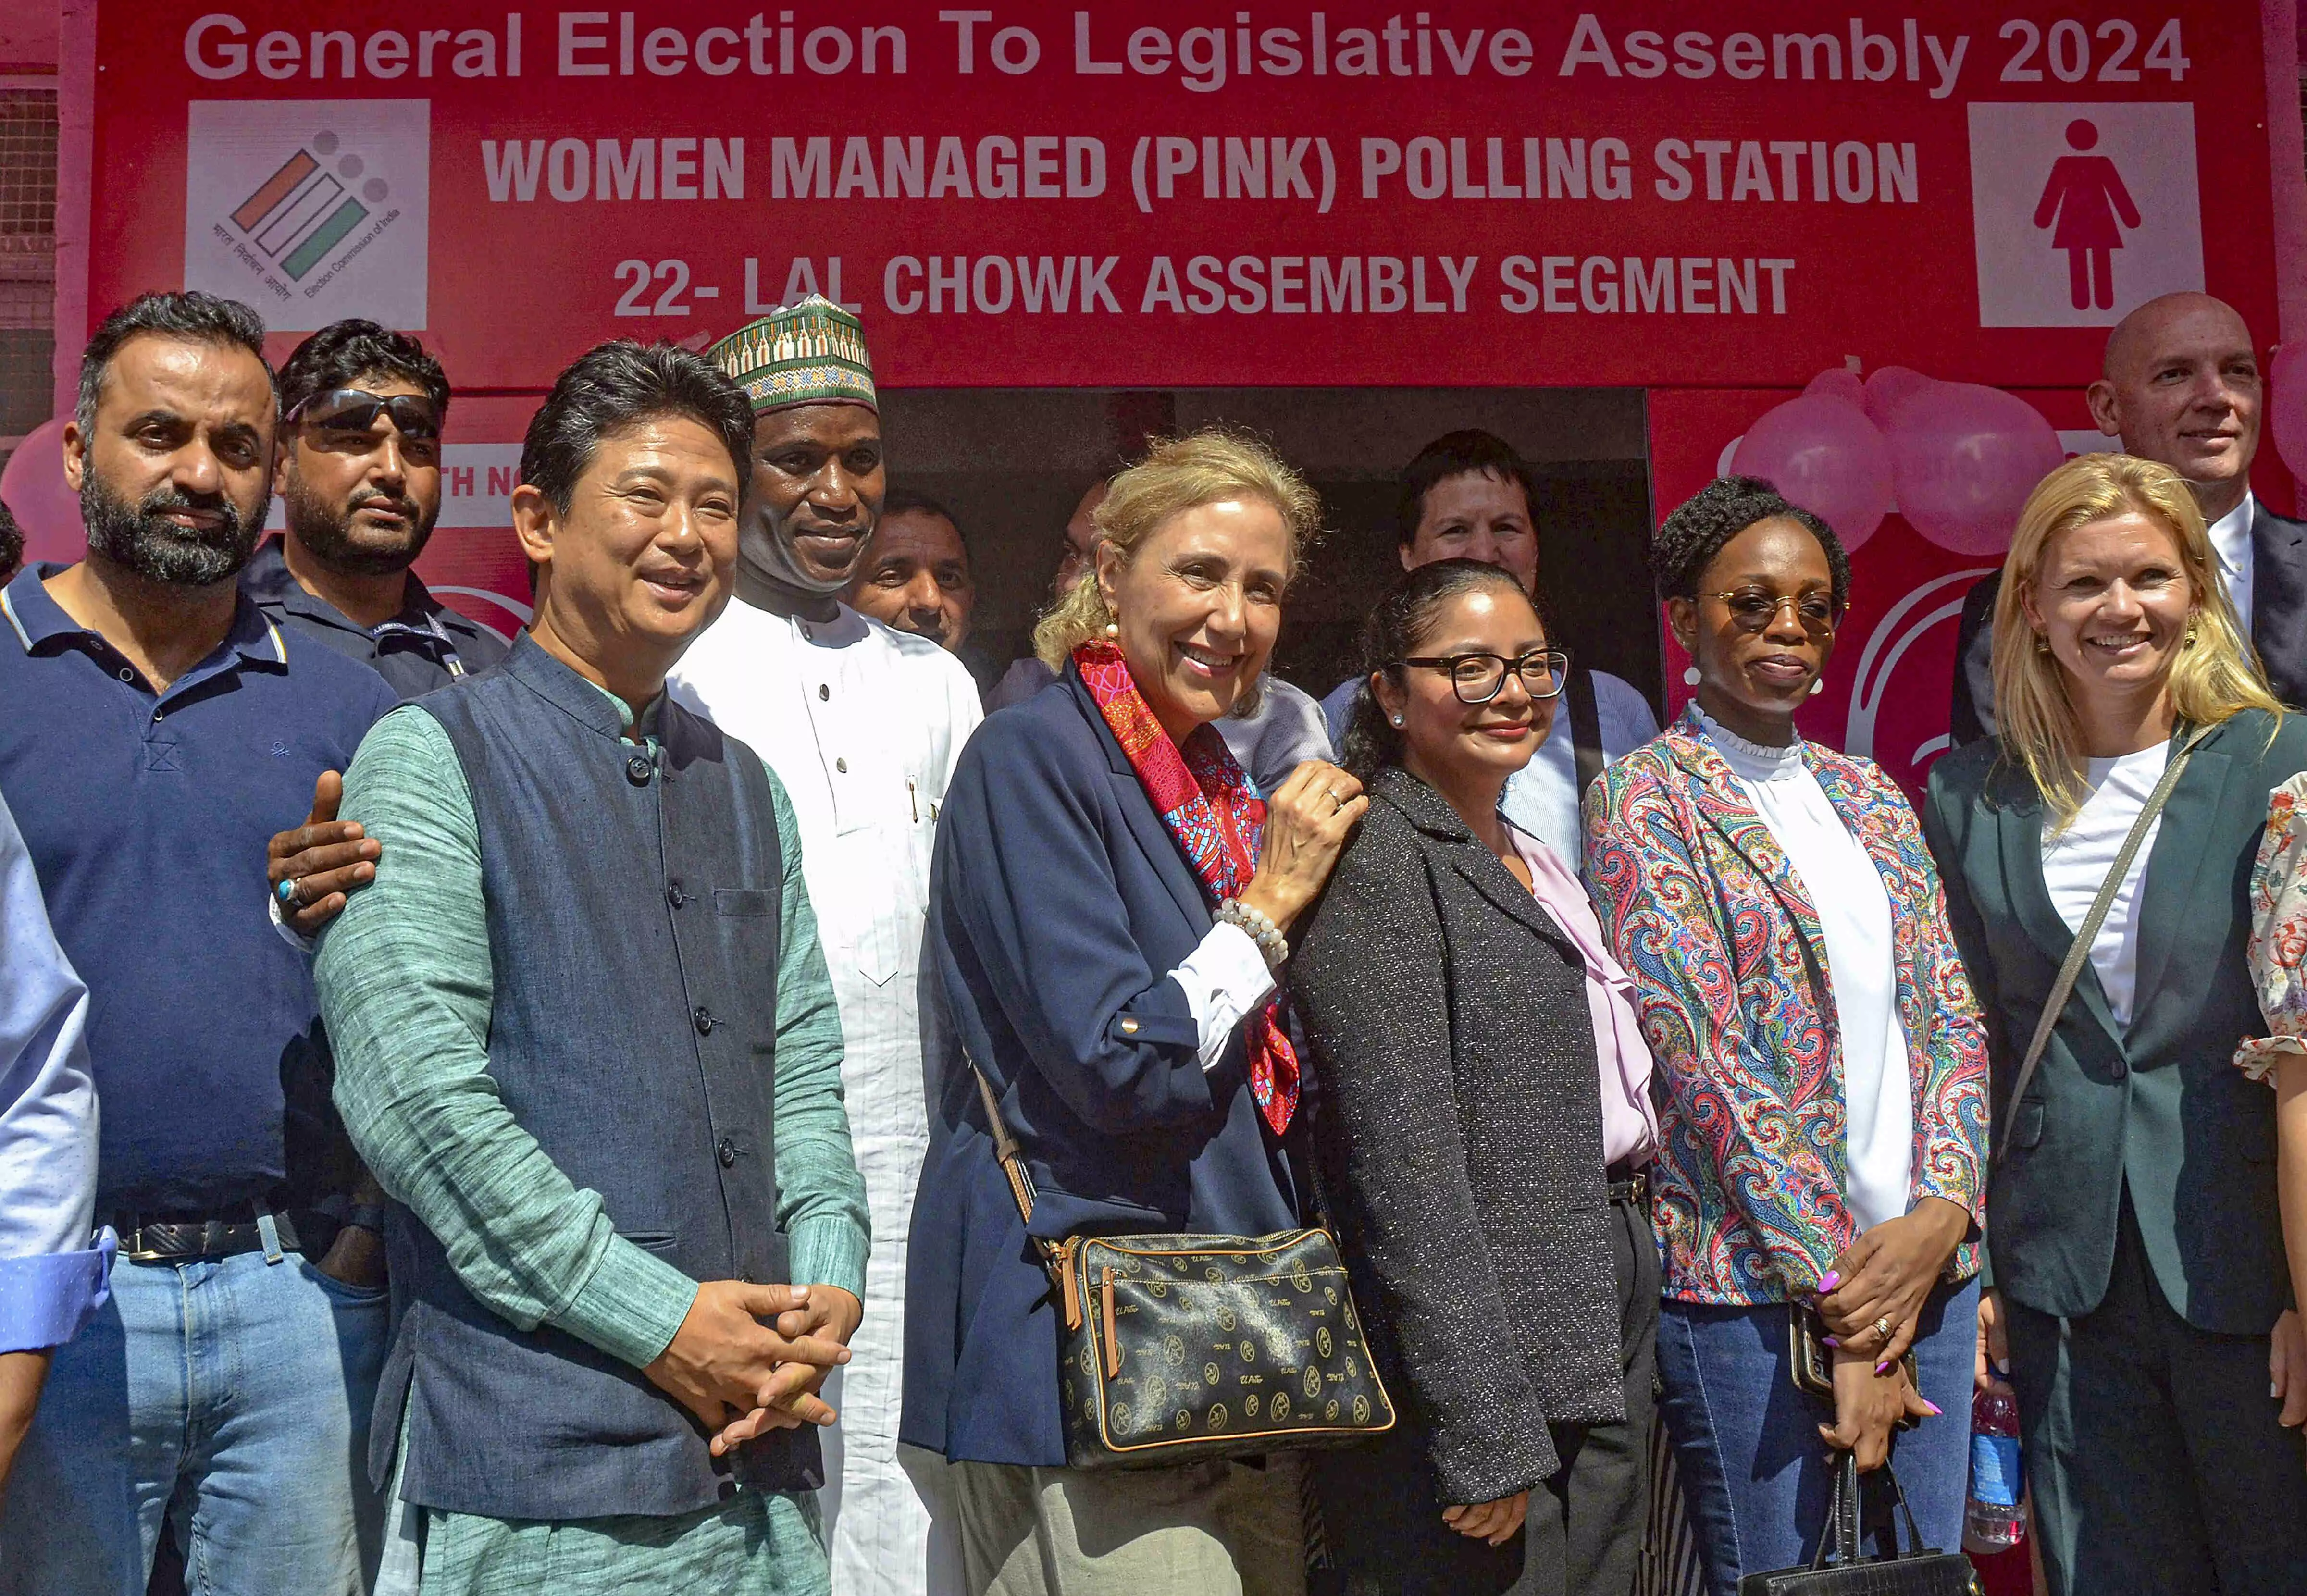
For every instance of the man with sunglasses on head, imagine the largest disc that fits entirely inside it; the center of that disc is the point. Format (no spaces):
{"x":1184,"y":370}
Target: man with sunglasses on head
{"x":358,"y":473}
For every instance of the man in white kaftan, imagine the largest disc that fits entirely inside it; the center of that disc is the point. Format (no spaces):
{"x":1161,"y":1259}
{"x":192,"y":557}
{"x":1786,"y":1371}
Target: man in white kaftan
{"x":862,"y":725}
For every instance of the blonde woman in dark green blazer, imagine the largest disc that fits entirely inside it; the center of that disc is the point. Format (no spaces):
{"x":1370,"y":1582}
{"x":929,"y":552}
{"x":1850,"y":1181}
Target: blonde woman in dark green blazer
{"x":2132,"y":1218}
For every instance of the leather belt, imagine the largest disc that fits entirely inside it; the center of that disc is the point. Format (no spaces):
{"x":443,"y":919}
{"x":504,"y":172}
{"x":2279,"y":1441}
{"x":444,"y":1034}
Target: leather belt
{"x":151,"y":1241}
{"x":1629,"y":1183}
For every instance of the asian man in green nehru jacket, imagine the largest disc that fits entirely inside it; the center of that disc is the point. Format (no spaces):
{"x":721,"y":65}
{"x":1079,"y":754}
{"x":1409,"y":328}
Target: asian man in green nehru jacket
{"x":586,"y":1038}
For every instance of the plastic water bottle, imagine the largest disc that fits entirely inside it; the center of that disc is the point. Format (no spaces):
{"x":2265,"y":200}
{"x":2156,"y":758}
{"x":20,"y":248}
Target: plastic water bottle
{"x":1994,"y":1521}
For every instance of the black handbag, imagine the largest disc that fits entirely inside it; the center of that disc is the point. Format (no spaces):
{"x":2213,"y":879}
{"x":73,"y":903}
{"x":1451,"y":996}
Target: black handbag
{"x":1176,"y":1349}
{"x":1839,"y":1568}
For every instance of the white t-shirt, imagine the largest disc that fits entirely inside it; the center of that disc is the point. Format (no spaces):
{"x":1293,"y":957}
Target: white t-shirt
{"x":1854,"y":921}
{"x":2076,"y":861}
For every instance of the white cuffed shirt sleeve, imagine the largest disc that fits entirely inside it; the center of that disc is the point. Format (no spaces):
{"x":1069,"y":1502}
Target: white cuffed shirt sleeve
{"x":1224,"y":979}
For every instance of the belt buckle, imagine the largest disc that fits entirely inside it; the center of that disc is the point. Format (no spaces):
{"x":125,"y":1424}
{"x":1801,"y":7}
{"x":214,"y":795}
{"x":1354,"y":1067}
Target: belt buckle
{"x":132,"y":1248}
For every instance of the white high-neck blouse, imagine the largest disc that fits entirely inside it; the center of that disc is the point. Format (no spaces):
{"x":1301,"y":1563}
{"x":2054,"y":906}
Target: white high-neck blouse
{"x":1861,"y":958}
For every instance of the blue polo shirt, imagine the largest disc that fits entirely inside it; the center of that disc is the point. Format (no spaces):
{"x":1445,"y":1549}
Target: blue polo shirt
{"x":147,"y":817}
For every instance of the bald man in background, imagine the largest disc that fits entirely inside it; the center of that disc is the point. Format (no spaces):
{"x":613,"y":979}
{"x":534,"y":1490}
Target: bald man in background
{"x":2180,"y":384}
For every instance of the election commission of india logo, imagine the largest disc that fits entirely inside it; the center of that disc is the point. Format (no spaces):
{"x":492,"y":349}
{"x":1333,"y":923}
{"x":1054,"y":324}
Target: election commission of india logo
{"x":2083,"y":210}
{"x":311,"y":210}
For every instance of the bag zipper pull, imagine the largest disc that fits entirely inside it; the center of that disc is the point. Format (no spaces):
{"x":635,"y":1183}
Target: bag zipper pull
{"x":1067,"y":1284}
{"x":1112,"y":1336}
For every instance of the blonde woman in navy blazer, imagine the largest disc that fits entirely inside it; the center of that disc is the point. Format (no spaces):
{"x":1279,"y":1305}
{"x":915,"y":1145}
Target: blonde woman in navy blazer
{"x":1092,"y":977}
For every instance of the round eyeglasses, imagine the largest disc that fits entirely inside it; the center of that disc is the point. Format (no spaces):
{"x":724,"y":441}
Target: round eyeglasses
{"x":1755,"y":608}
{"x":1478,"y":678}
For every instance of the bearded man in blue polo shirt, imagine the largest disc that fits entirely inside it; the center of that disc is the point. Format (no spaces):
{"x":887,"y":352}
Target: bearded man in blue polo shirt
{"x":158,"y":730}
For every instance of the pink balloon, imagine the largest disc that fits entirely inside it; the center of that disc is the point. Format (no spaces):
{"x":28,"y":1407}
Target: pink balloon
{"x":1835,"y":383}
{"x":1963,"y":458}
{"x":1888,"y":387}
{"x":43,"y":503}
{"x":2287,"y":407}
{"x":1826,"y":457}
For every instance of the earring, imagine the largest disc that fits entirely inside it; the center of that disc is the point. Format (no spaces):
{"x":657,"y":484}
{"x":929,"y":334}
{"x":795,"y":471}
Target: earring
{"x":1691,"y":678}
{"x":1397,"y":720}
{"x":2191,"y":636}
{"x":2042,"y":644}
{"x":1817,"y":686}
{"x":1113,"y":628}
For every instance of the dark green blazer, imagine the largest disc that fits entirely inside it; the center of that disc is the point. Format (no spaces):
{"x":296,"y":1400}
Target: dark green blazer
{"x":2159,"y":1103}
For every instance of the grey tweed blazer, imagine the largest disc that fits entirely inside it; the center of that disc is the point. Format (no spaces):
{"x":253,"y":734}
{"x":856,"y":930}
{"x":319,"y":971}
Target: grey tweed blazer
{"x":1460,"y":1123}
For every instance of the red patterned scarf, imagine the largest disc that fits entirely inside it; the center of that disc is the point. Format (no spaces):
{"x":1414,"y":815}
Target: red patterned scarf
{"x":1217,"y":819}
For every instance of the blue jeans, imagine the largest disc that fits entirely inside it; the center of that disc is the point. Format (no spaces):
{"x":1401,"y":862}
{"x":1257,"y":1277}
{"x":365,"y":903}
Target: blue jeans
{"x":229,"y":1397}
{"x":1757,"y":1477}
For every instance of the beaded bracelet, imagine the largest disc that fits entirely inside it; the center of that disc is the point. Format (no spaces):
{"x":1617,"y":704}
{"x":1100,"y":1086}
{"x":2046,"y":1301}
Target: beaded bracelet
{"x":1271,"y":944}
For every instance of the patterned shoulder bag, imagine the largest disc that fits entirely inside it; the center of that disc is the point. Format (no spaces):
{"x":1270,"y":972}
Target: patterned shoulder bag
{"x":1176,"y":1349}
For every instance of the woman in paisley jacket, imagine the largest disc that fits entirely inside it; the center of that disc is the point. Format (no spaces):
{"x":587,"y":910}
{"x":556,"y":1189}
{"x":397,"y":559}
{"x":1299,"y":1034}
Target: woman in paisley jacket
{"x":1820,"y":1059}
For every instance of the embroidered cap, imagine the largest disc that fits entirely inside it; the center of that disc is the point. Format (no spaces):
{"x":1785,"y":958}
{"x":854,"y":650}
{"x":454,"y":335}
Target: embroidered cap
{"x":811,"y":353}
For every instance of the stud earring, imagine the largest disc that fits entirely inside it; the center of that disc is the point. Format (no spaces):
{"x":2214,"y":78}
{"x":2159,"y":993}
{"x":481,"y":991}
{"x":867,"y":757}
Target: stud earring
{"x":1113,"y":628}
{"x":1691,"y":678}
{"x":1397,"y":720}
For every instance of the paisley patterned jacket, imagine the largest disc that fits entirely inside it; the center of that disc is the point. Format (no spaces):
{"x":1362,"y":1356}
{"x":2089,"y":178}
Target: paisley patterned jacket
{"x":1723,"y":942}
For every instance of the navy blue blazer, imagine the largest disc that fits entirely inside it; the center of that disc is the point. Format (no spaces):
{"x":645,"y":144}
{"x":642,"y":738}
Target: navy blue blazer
{"x":1059,"y":904}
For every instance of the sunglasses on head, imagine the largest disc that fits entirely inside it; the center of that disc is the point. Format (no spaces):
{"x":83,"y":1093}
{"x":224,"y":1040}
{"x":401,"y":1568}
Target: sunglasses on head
{"x":356,"y":410}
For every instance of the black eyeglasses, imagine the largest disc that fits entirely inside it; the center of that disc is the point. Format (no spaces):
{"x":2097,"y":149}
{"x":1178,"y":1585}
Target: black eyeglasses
{"x":1477,"y":678}
{"x":356,"y":410}
{"x":1755,"y":608}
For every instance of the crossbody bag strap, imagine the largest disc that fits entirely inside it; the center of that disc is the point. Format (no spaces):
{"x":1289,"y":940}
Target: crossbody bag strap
{"x":2072,"y":968}
{"x":1057,"y":1257}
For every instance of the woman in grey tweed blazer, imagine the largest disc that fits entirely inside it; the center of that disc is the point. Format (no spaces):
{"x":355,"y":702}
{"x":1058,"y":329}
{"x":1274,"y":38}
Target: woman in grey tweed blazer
{"x":1452,"y":982}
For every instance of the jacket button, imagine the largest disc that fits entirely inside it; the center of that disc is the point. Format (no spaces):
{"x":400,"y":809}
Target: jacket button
{"x":1129,"y":1027}
{"x":704,"y":1018}
{"x":675,"y":895}
{"x":823,"y":692}
{"x":2118,"y":1069}
{"x":638,"y":770}
{"x":726,"y":1152}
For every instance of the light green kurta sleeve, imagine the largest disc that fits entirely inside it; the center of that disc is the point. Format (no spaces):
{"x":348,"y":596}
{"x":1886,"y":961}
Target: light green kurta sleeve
{"x":820,"y":1195}
{"x":405,"y":981}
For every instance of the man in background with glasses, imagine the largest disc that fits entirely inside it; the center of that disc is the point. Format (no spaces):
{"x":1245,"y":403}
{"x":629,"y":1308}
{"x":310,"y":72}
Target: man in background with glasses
{"x":1468,"y":495}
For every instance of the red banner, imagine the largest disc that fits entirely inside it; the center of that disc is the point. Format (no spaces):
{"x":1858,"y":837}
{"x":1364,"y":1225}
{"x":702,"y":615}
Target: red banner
{"x":1202,"y":194}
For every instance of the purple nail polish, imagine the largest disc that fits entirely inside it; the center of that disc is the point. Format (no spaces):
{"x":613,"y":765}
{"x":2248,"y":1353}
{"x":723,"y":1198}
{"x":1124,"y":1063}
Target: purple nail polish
{"x":1829,"y":1341}
{"x":1932,"y":1406}
{"x":1883,"y":1367}
{"x":1828,"y":1282}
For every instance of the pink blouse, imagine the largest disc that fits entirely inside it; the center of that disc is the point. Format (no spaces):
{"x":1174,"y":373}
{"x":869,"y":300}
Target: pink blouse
{"x":1629,"y":1122}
